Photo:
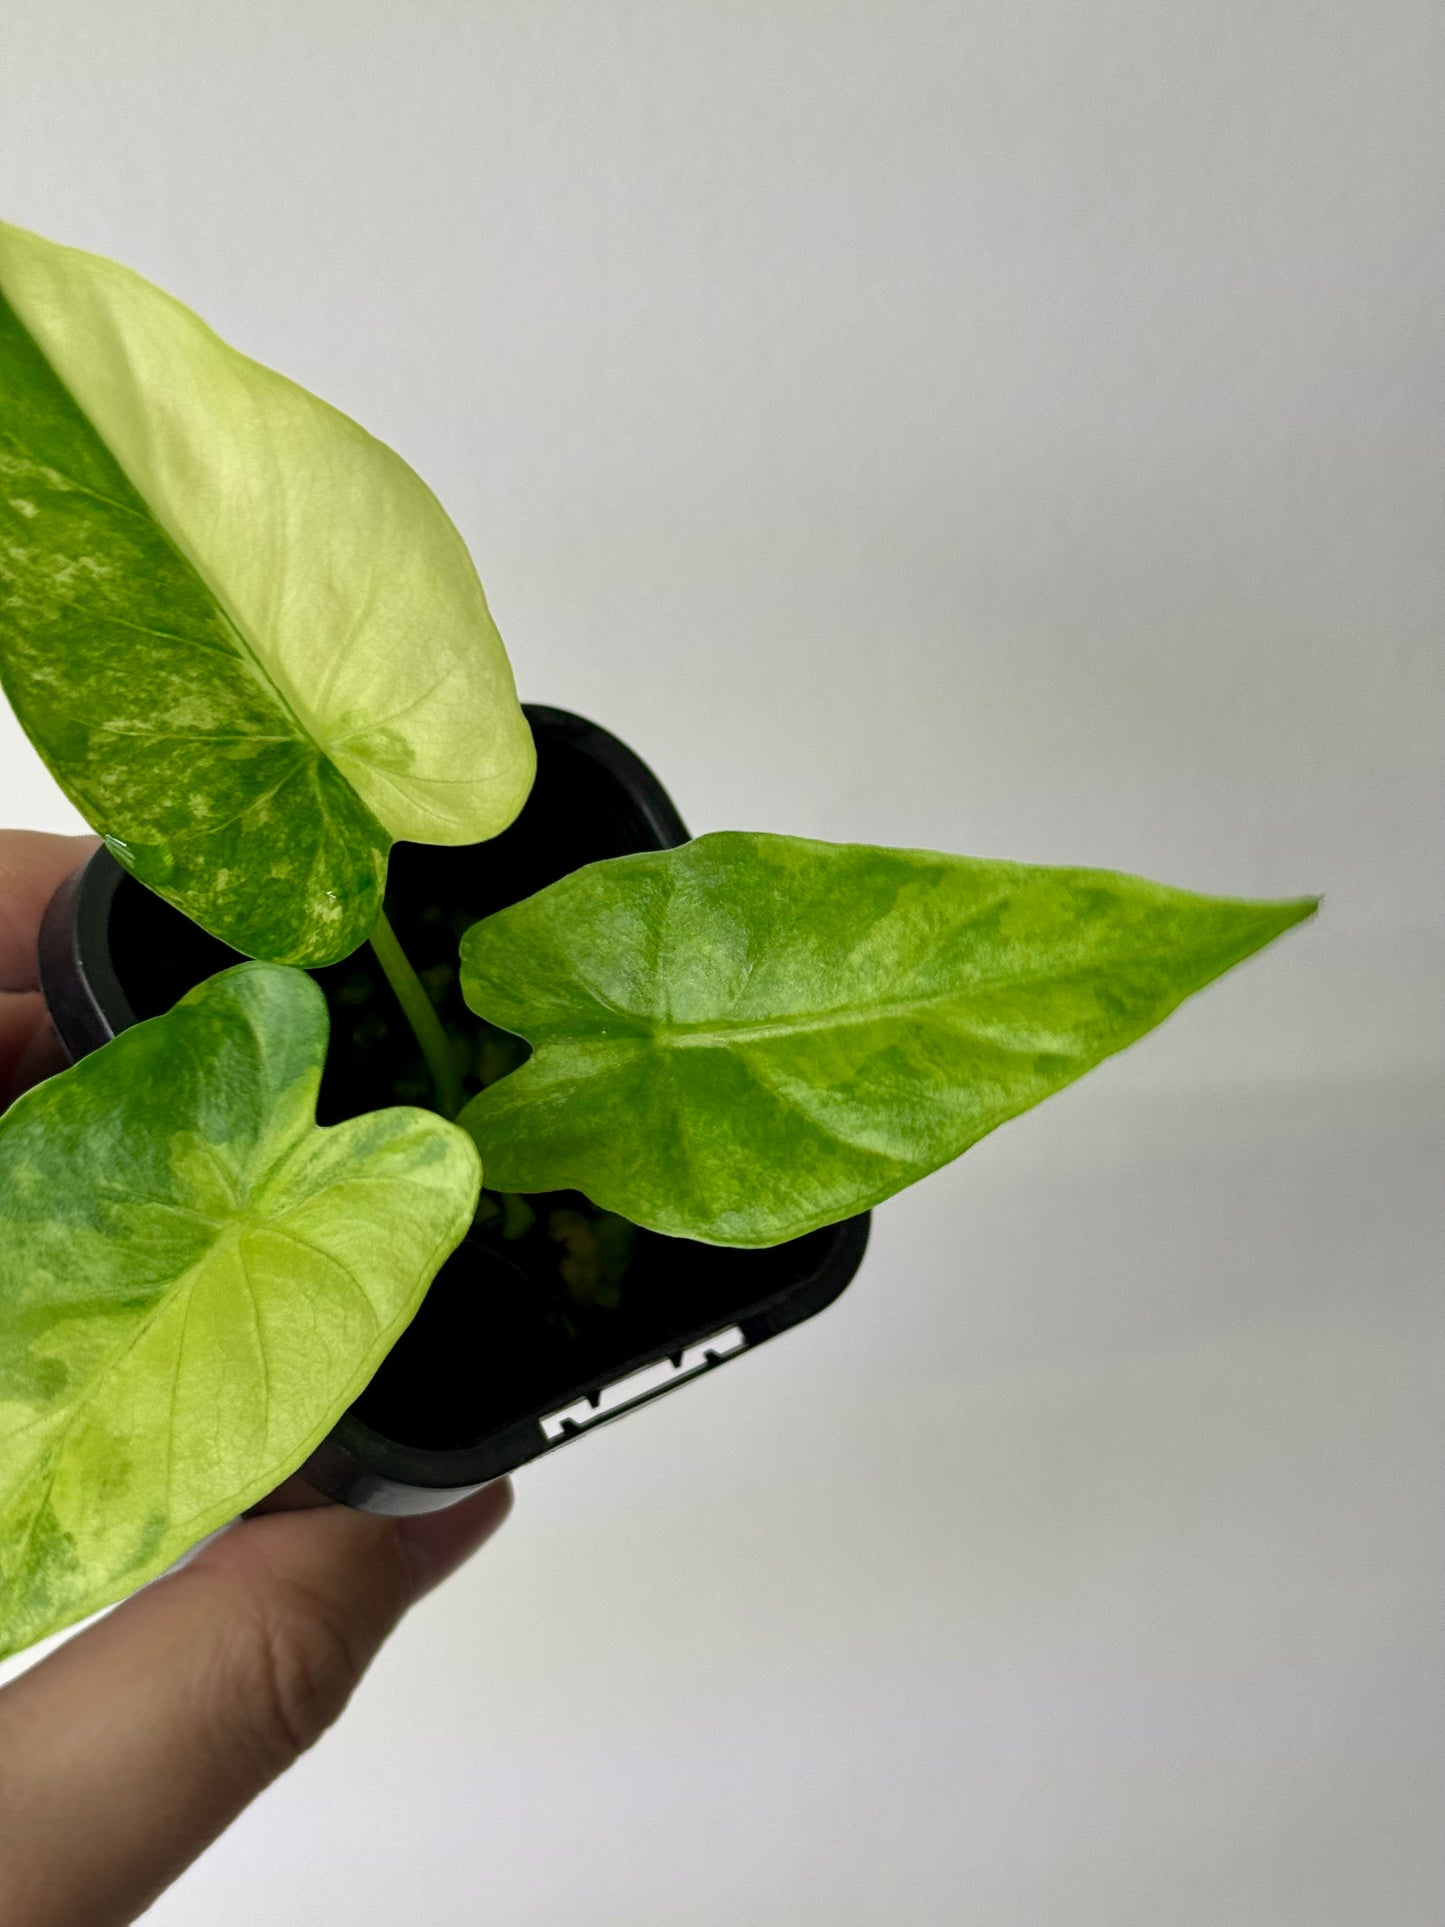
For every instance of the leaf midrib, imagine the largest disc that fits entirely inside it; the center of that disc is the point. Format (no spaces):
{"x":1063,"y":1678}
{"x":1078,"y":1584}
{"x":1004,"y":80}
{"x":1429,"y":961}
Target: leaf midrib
{"x":730,"y":1031}
{"x":722,"y":1033}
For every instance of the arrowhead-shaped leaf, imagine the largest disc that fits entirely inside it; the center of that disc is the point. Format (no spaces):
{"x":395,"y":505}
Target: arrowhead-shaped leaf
{"x":242,"y":633}
{"x":195,"y":1281}
{"x":751,"y":1036}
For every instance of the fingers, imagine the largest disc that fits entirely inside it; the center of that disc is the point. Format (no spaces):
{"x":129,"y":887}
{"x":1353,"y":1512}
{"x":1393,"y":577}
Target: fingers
{"x":128,"y":1750}
{"x":29,"y":1048}
{"x":33,"y":865}
{"x":125,"y":1752}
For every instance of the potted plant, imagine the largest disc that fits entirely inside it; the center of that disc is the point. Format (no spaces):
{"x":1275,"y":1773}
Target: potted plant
{"x":254,"y":652}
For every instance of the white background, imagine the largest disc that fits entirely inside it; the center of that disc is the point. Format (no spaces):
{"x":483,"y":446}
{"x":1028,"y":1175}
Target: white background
{"x":1010,"y":427}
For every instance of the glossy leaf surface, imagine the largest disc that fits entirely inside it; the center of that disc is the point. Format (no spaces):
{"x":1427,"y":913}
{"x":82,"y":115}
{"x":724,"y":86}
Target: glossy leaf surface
{"x":751,"y":1036}
{"x":195,"y":1281}
{"x":242,"y":633}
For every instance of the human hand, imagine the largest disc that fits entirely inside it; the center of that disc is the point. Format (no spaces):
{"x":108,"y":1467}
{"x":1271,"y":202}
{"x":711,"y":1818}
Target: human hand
{"x":127,"y":1750}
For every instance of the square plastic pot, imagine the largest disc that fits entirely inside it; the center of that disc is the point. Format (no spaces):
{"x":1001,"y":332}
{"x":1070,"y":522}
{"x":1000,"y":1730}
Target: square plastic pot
{"x":550,"y":1319}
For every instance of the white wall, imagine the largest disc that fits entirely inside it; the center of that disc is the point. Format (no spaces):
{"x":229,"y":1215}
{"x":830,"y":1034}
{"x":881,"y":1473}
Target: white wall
{"x":1011,"y":428}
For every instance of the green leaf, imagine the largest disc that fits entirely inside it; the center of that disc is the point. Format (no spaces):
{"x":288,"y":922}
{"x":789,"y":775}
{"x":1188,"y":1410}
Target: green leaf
{"x":751,"y":1036}
{"x":242,"y":633}
{"x":195,"y":1281}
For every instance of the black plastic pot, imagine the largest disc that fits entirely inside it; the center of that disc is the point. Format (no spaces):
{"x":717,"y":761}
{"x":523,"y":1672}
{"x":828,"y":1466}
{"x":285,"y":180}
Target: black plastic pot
{"x":533,"y":1332}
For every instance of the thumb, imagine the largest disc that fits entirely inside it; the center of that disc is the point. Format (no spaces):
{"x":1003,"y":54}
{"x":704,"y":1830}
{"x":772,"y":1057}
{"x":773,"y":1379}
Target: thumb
{"x":124,"y":1753}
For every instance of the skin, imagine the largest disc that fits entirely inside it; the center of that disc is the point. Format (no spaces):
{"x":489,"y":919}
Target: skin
{"x":127,"y":1750}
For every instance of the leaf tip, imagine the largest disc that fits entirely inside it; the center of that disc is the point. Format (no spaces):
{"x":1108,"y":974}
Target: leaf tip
{"x":1292,"y":910}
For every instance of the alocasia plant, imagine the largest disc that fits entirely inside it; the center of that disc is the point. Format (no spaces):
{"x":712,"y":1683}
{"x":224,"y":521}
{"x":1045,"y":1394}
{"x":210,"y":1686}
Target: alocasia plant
{"x":253,"y":650}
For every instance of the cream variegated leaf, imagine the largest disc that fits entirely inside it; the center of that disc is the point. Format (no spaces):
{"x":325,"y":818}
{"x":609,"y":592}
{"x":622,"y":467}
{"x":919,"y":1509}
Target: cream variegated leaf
{"x":241,"y":631}
{"x":195,"y":1282}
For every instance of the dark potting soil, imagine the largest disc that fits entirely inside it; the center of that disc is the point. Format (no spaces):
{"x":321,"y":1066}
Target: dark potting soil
{"x":547,"y":1292}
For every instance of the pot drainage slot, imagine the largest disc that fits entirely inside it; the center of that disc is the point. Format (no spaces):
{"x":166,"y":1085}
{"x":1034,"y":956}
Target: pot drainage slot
{"x":638,"y":1387}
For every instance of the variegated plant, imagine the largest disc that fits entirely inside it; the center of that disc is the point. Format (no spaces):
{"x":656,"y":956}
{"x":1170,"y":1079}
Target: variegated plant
{"x":254,"y":652}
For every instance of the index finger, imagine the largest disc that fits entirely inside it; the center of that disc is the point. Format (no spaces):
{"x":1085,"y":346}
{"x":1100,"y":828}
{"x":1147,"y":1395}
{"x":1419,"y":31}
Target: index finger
{"x":33,"y":865}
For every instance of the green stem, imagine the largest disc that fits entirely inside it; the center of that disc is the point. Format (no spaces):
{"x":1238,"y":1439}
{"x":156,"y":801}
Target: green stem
{"x":421,"y":1015}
